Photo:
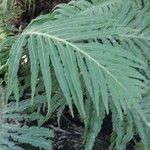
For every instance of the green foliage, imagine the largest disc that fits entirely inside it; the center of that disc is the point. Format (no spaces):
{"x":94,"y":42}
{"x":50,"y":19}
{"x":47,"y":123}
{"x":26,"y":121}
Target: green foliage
{"x":63,"y":42}
{"x":15,"y":131}
{"x":10,"y":5}
{"x":99,"y":50}
{"x":7,"y":5}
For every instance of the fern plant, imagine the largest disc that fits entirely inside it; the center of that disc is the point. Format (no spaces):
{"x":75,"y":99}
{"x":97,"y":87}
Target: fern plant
{"x":12,"y":134}
{"x":98,"y":52}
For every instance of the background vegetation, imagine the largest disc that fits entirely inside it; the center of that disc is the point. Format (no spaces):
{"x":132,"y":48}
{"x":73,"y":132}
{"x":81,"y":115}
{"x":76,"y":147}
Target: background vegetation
{"x":74,"y":75}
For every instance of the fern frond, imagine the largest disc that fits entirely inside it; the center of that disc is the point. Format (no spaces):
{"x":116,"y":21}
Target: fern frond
{"x":22,"y":134}
{"x":108,"y":7}
{"x":62,"y":41}
{"x":5,"y":44}
{"x":132,"y":124}
{"x":29,"y":135}
{"x":105,"y":46}
{"x":128,"y":15}
{"x":93,"y":124}
{"x":6,"y":5}
{"x":123,"y":130}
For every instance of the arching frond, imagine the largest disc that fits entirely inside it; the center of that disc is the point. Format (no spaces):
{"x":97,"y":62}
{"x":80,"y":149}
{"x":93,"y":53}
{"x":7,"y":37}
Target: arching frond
{"x":107,"y":7}
{"x":13,"y":135}
{"x":128,"y":15}
{"x":101,"y":48}
{"x":103,"y":67}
